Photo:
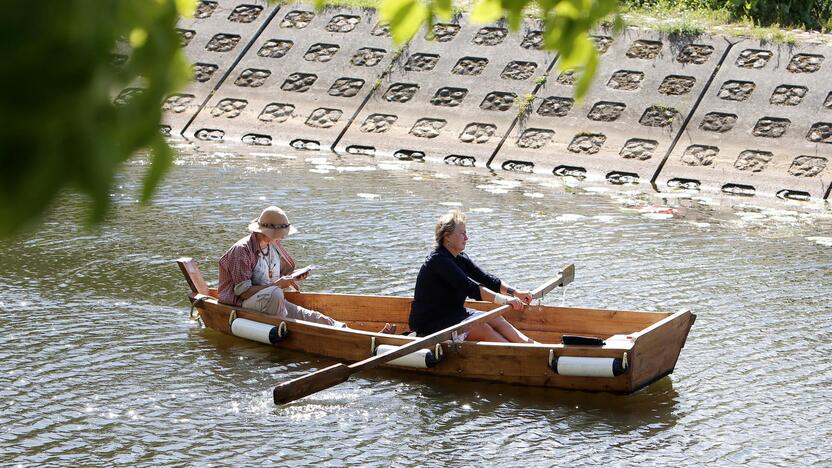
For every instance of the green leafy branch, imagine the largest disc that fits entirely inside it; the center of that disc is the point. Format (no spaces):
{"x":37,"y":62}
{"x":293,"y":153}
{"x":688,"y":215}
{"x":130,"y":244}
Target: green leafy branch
{"x":566,"y":25}
{"x":61,"y":128}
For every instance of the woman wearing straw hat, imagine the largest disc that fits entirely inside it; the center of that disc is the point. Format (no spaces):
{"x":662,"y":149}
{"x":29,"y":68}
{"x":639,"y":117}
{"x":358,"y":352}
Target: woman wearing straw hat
{"x":255,"y":270}
{"x":448,"y":276}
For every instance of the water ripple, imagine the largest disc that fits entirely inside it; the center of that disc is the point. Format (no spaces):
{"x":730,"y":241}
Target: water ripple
{"x":100,"y":364}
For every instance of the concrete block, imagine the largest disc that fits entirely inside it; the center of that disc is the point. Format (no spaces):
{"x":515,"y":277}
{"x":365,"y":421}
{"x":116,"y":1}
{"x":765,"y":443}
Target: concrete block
{"x":764,"y":126}
{"x":735,"y":115}
{"x":212,"y":40}
{"x":646,"y":85}
{"x":301,"y":82}
{"x":453,"y":98}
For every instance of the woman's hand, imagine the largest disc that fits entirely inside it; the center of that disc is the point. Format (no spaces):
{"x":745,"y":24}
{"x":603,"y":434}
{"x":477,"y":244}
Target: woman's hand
{"x":525,"y":296}
{"x":502,"y":299}
{"x":287,"y":281}
{"x":516,"y":303}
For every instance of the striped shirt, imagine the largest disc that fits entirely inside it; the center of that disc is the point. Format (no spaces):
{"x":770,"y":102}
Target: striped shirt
{"x":238,"y":263}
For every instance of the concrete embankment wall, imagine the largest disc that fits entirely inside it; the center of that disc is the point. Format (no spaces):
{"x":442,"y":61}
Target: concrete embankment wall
{"x":721,"y":113}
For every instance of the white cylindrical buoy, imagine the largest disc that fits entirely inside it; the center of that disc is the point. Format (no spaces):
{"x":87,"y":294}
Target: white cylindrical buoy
{"x":588,"y":366}
{"x":262,"y":332}
{"x":422,"y":359}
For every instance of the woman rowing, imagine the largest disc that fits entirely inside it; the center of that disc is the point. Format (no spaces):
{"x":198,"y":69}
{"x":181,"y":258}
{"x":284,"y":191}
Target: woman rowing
{"x":448,"y":276}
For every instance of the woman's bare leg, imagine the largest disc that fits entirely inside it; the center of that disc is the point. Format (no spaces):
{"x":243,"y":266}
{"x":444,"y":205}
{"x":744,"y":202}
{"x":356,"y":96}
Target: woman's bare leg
{"x":507,"y":330}
{"x":484,"y":332}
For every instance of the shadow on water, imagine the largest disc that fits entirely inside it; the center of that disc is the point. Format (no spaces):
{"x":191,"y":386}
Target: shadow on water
{"x":654,"y":404}
{"x":651,"y":409}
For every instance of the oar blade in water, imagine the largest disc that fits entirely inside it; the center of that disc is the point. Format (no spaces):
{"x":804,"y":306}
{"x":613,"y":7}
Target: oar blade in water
{"x":311,"y":383}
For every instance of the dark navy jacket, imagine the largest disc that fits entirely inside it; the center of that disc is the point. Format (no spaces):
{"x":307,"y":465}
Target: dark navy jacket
{"x":443,"y":283}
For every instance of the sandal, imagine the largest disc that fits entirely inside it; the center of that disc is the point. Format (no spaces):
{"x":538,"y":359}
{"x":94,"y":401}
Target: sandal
{"x":389,"y":328}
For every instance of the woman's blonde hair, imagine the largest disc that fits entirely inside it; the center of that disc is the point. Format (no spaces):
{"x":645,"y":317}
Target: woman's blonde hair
{"x":447,"y":223}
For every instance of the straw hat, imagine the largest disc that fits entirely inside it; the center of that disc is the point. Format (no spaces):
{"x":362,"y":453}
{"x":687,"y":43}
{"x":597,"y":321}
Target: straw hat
{"x":272,"y":222}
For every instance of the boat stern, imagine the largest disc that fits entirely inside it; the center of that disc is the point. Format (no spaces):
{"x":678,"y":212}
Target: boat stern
{"x":656,"y":349}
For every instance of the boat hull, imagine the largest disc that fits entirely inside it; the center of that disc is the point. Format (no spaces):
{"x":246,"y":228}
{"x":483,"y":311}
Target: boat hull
{"x":651,"y":353}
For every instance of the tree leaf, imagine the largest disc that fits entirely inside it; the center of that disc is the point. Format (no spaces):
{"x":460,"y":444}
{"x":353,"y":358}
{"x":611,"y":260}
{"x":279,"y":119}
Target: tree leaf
{"x":443,"y":9}
{"x":405,"y":18}
{"x":61,"y":127}
{"x":486,"y":11}
{"x":138,"y":37}
{"x":162,"y":158}
{"x":186,"y":8}
{"x":513,"y":10}
{"x":579,"y":52}
{"x":587,"y":75}
{"x":600,"y":9}
{"x":567,"y":9}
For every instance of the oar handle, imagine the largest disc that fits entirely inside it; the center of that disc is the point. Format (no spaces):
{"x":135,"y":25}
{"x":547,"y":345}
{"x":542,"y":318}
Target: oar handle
{"x":338,"y":373}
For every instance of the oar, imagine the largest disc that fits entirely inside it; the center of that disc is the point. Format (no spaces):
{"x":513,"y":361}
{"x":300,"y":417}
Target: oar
{"x":337,"y":373}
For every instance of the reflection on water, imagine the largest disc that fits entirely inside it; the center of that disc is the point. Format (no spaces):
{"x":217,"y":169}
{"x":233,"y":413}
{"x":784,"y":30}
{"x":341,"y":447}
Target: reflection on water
{"x":101,"y":365}
{"x":652,"y":407}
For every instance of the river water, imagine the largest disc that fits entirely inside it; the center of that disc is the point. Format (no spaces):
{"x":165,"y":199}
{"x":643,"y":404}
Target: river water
{"x":99,"y":363}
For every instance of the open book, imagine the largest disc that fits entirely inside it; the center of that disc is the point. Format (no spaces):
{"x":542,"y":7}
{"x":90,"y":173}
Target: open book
{"x":302,"y":271}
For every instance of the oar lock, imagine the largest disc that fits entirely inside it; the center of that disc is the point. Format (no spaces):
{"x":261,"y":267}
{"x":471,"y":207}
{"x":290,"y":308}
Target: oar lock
{"x":257,"y":331}
{"x":582,"y":366}
{"x":199,"y":299}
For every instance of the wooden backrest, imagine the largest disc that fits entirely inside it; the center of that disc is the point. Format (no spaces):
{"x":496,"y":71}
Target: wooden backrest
{"x":193,"y":276}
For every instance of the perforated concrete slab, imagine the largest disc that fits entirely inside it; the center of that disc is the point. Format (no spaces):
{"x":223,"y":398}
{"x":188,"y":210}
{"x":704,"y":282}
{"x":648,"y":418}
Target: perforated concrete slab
{"x":452,"y":98}
{"x":764,"y":126}
{"x":213,"y":39}
{"x":658,"y":108}
{"x":303,"y":80}
{"x":646,"y":84}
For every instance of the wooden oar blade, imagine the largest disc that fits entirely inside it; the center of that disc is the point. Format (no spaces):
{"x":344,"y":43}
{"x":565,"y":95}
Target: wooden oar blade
{"x":311,"y":383}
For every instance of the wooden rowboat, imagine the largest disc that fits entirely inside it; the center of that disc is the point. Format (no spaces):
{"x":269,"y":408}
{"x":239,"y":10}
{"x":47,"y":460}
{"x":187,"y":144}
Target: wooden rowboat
{"x":632,"y":349}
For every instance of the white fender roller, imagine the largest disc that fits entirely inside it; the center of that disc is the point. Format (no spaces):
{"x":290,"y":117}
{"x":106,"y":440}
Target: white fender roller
{"x":262,"y":332}
{"x":588,"y":366}
{"x":421,"y":359}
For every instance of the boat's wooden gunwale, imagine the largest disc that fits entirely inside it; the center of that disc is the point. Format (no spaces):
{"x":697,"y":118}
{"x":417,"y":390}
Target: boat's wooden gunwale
{"x":213,"y":307}
{"x":537,"y":320}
